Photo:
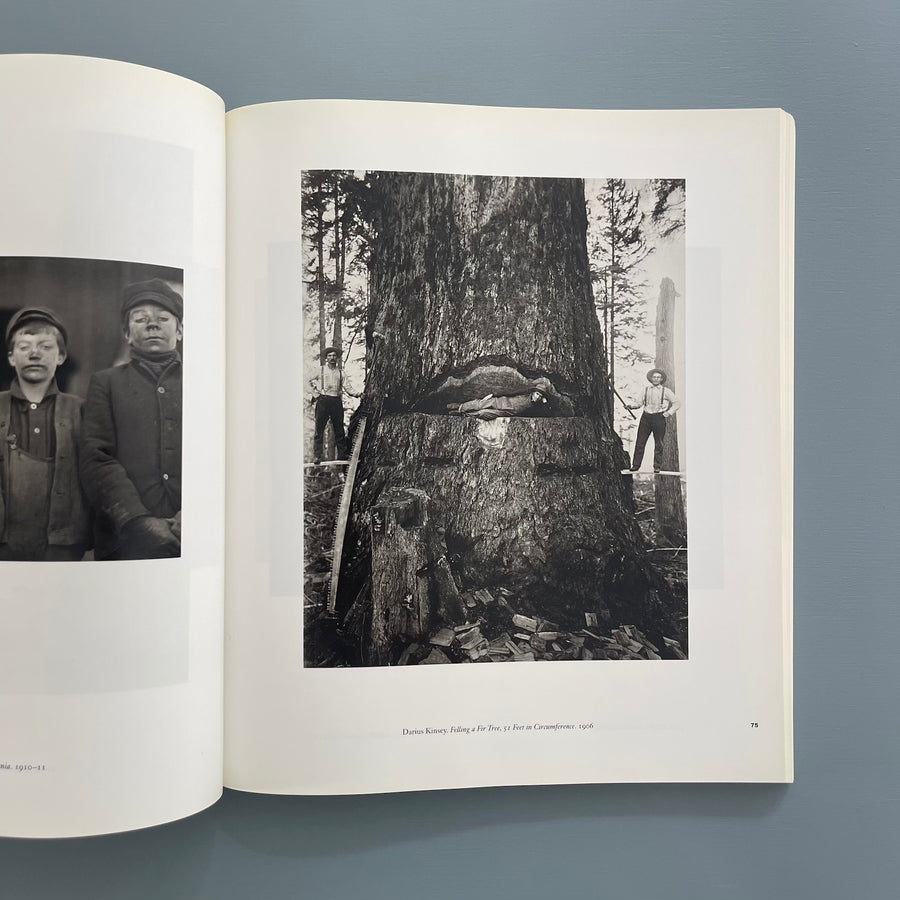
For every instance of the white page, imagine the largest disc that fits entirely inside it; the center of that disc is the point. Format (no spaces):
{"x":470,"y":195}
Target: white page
{"x":111,"y":671}
{"x":290,"y":729}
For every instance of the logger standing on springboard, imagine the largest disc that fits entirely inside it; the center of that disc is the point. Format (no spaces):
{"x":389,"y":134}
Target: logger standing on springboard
{"x":327,"y":389}
{"x":659,"y":404}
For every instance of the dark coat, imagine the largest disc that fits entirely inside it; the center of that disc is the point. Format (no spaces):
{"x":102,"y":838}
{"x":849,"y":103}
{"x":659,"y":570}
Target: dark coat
{"x":131,"y":448}
{"x":69,"y":523}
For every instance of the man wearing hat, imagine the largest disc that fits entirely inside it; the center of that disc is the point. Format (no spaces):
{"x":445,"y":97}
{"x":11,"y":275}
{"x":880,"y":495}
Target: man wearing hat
{"x":131,"y":448}
{"x":43,"y":513}
{"x":327,"y":390}
{"x":659,"y":404}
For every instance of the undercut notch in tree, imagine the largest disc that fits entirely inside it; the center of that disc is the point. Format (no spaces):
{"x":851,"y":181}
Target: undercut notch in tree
{"x":493,"y":377}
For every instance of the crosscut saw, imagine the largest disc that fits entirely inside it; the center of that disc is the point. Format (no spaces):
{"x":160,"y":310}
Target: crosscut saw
{"x":340,"y":527}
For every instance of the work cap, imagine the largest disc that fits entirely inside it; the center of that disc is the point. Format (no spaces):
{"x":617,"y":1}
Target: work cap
{"x":30,"y":314}
{"x":154,"y":291}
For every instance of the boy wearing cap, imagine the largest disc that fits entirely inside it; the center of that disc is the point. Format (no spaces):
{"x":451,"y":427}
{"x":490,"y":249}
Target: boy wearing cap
{"x":43,"y":513}
{"x":131,"y":447}
{"x":659,"y":404}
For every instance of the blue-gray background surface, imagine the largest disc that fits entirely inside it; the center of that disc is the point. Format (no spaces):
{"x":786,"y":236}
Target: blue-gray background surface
{"x":835,"y":833}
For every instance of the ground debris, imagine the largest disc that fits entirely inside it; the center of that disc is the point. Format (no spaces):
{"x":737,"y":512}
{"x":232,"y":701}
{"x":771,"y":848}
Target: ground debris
{"x":444,"y":638}
{"x":495,"y":632}
{"x":471,"y":639}
{"x":322,"y":494}
{"x":502,"y":624}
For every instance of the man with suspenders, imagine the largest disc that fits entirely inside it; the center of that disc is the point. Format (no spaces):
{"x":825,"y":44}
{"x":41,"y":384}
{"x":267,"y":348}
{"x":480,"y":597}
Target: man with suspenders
{"x":659,"y":404}
{"x":327,"y":390}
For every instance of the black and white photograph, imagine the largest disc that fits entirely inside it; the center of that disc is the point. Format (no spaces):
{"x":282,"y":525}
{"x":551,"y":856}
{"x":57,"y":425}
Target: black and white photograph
{"x":90,"y":410}
{"x":493,"y":406}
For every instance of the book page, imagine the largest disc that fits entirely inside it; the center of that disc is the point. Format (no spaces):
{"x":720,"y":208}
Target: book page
{"x":550,"y":351}
{"x":112,"y":450}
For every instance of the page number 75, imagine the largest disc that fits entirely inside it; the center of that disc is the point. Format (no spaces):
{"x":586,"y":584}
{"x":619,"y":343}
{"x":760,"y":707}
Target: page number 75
{"x":754,"y":724}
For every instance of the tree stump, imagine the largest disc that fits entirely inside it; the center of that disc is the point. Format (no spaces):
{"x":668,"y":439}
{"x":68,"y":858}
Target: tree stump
{"x":413,"y":590}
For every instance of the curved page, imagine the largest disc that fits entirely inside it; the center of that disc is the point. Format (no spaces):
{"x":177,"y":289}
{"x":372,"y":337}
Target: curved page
{"x":112,"y":455}
{"x":532,"y":310}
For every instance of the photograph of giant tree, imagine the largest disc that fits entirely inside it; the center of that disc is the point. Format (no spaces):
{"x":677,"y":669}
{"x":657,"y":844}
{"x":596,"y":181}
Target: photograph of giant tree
{"x":493,"y":460}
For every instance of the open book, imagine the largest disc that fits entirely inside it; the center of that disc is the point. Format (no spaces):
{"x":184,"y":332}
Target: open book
{"x":320,"y":415}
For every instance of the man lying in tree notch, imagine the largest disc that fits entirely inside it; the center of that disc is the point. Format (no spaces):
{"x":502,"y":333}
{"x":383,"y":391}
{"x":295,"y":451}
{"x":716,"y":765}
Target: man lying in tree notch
{"x":527,"y":401}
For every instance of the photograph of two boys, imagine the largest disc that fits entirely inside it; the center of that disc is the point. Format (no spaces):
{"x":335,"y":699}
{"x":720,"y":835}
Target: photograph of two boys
{"x":90,"y":410}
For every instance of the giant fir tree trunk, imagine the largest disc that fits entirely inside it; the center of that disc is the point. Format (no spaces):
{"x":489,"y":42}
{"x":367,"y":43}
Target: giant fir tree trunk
{"x":671,"y":525}
{"x":480,"y":285}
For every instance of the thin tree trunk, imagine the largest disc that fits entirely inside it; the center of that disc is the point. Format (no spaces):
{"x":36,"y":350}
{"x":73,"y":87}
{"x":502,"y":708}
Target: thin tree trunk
{"x":606,"y":343}
{"x":336,"y":335}
{"x":328,"y":448}
{"x":352,"y":339}
{"x":671,"y":525}
{"x":612,"y":290}
{"x":320,"y":278}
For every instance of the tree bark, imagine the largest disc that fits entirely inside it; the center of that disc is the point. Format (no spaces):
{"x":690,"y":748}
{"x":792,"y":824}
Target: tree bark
{"x":611,"y":338}
{"x":529,"y":504}
{"x":481,"y":285}
{"x":320,"y":279}
{"x":328,"y":447}
{"x":339,"y":250}
{"x":412,"y":586}
{"x":671,"y":525}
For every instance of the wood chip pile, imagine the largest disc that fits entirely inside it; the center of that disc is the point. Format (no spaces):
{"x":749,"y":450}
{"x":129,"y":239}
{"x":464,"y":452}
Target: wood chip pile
{"x":496,"y":633}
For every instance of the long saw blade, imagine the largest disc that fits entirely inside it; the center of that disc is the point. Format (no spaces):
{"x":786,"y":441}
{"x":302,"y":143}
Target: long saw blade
{"x":340,"y":527}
